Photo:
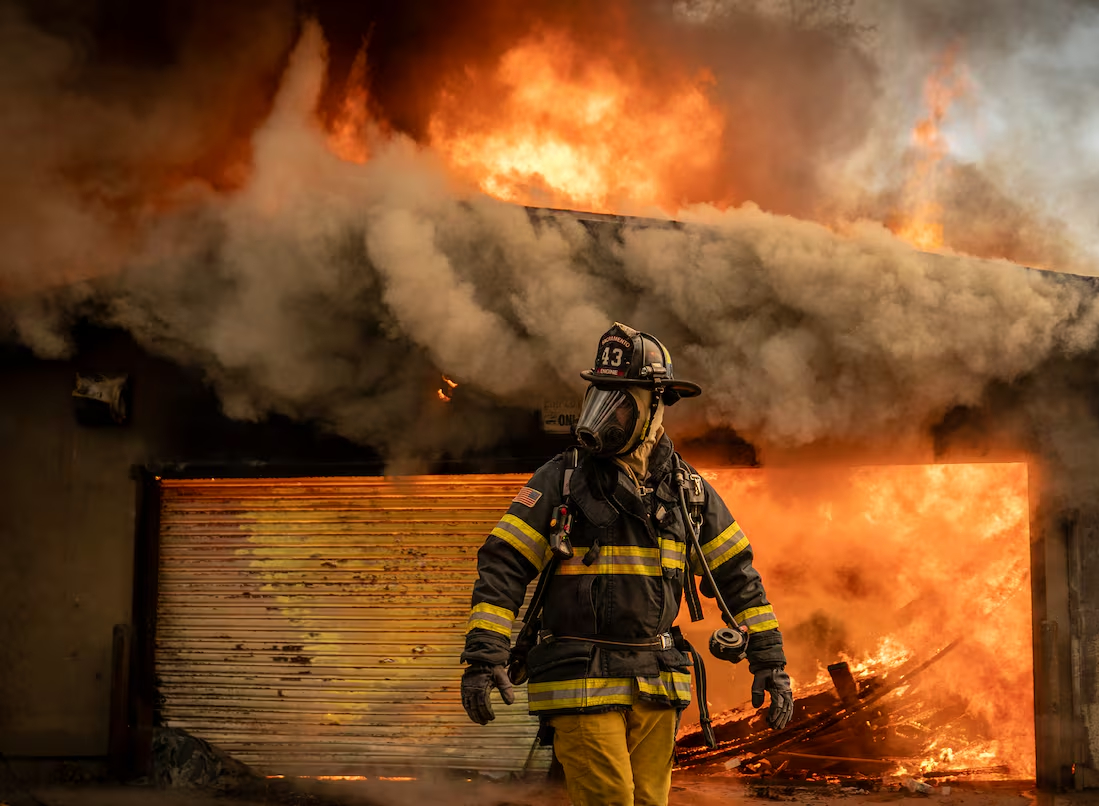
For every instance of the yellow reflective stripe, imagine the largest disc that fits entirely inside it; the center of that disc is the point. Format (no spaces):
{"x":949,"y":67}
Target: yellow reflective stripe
{"x":491,"y":617}
{"x":758,"y":619}
{"x":602,"y":568}
{"x":723,"y":548}
{"x":763,"y":626}
{"x":635,"y":560}
{"x":581,"y":693}
{"x":496,"y":610}
{"x":524,"y":538}
{"x":676,"y":686}
{"x":672,"y":553}
{"x":733,"y":550}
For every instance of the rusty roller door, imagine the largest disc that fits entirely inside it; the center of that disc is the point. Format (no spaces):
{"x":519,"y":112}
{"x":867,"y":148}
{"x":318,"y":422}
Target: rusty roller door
{"x":313,"y":626}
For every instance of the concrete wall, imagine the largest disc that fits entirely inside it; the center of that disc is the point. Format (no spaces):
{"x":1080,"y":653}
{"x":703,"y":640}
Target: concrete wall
{"x":66,"y":548}
{"x":67,"y":525}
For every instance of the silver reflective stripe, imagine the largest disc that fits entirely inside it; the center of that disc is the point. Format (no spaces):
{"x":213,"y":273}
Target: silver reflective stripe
{"x":676,"y":686}
{"x":758,"y":619}
{"x":672,"y":553}
{"x":725,"y":546}
{"x":582,"y":693}
{"x":524,"y":538}
{"x":491,"y":617}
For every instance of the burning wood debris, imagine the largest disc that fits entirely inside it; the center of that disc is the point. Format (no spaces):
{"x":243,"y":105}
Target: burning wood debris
{"x":866,"y":731}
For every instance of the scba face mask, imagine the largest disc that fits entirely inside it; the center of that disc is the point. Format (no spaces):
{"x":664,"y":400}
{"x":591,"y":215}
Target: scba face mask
{"x":614,"y":421}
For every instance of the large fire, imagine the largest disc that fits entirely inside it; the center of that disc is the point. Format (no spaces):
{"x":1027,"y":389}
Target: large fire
{"x":886,"y":566}
{"x":921,"y":217}
{"x":554,"y":127}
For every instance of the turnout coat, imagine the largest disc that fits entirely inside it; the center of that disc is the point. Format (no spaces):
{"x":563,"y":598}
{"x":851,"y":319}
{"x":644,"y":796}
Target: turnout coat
{"x":623,"y":585}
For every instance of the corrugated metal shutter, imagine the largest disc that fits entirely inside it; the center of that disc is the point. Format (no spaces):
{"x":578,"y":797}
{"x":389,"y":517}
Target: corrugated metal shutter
{"x":313,"y":626}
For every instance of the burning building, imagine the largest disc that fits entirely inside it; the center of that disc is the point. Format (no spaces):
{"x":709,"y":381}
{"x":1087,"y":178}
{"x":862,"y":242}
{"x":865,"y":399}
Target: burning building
{"x":329,"y":348}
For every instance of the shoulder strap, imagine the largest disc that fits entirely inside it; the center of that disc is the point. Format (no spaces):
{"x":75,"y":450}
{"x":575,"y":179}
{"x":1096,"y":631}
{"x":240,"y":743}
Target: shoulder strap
{"x":572,"y":461}
{"x":690,"y":518}
{"x":560,"y":548}
{"x":692,"y":498}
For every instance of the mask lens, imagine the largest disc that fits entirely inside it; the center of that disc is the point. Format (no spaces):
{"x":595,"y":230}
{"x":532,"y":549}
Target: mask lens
{"x":607,"y":420}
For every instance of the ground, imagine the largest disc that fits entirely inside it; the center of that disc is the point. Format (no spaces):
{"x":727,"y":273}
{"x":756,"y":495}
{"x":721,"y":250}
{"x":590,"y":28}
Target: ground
{"x":687,"y":790}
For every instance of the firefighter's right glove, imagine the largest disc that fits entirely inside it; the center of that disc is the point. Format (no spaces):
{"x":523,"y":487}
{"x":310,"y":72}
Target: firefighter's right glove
{"x":777,"y":683}
{"x":478,"y":681}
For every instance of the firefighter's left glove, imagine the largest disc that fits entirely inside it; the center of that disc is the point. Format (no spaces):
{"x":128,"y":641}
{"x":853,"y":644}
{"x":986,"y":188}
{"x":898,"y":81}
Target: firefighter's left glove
{"x":777,"y":683}
{"x":478,"y":681}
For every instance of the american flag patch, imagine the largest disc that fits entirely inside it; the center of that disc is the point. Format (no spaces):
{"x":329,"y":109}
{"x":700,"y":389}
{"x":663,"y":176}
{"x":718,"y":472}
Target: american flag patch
{"x":527,"y":496}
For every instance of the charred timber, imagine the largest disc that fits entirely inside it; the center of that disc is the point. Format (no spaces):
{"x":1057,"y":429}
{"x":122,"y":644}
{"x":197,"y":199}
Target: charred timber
{"x":821,"y":717}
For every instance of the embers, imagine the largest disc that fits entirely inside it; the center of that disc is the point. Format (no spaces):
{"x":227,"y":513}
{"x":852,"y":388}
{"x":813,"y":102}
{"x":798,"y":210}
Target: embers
{"x":881,"y":729}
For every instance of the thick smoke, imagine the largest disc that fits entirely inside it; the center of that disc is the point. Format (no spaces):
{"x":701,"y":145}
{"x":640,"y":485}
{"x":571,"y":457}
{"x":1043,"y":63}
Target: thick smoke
{"x":338,"y":292}
{"x":93,"y":150}
{"x":1016,"y":182}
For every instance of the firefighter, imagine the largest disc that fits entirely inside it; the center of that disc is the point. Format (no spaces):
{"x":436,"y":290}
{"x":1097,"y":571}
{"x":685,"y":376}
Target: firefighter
{"x":608,"y":528}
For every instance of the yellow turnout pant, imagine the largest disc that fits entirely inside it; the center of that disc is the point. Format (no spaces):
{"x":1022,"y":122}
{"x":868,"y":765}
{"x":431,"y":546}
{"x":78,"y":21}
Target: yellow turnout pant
{"x":617,"y":758}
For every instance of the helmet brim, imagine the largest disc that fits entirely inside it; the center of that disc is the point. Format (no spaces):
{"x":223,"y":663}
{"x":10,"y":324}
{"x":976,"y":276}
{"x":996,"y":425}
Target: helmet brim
{"x":681,"y":388}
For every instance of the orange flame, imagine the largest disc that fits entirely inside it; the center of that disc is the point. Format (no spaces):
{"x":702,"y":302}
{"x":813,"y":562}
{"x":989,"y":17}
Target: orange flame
{"x":884,"y":566}
{"x":348,"y":133}
{"x":445,"y":392}
{"x":555,"y":127}
{"x":552,"y":125}
{"x":921,"y":223}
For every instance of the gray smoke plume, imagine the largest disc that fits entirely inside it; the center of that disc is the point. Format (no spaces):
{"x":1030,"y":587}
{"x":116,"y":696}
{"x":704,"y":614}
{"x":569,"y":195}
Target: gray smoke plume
{"x":1017,"y":181}
{"x":338,"y":293}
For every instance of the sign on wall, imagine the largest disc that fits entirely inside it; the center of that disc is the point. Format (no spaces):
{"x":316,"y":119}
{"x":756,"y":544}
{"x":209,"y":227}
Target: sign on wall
{"x":560,"y":414}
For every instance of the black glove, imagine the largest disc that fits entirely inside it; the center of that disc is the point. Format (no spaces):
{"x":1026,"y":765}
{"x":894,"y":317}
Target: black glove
{"x":777,"y":682}
{"x":477,"y":683}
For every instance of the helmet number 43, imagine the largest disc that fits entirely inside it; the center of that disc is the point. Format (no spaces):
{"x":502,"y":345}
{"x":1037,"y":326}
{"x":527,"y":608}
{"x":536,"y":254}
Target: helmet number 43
{"x":612,"y":357}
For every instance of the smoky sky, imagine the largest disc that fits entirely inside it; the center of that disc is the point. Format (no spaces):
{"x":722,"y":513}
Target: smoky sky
{"x":1020,"y":178}
{"x":168,"y":174}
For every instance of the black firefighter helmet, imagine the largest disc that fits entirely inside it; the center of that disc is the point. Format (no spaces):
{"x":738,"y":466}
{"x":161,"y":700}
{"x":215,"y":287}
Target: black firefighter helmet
{"x":631,"y":376}
{"x":628,"y":357}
